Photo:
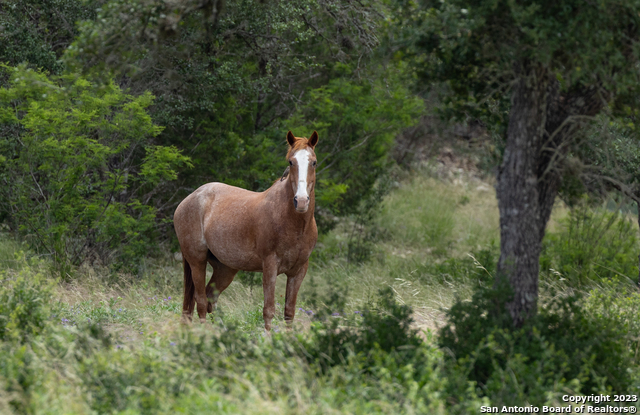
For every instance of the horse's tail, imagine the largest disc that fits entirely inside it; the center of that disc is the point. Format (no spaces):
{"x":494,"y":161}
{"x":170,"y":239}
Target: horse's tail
{"x":189,"y":289}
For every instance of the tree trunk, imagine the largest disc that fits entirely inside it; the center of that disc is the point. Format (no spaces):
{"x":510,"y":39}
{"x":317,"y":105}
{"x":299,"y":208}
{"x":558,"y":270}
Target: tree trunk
{"x":517,"y":192}
{"x":543,"y":122}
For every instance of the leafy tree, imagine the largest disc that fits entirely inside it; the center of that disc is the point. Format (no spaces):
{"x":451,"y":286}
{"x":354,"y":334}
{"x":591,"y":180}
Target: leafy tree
{"x":39,"y":31}
{"x":79,"y":168}
{"x":232,"y":77}
{"x":561,"y":63}
{"x":359,"y":120}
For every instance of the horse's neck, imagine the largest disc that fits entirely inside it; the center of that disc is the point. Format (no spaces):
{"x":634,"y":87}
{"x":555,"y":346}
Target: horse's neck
{"x":281,"y":194}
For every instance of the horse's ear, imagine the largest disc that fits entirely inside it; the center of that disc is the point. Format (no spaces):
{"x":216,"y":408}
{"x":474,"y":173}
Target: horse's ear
{"x":313,"y":140}
{"x":290,"y":138}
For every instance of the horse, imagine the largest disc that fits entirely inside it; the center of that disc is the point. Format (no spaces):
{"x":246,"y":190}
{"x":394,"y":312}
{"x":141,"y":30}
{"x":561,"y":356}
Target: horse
{"x":232,"y":229}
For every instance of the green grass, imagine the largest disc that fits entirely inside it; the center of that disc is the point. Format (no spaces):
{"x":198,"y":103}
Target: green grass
{"x":113,"y":343}
{"x":419,"y":215}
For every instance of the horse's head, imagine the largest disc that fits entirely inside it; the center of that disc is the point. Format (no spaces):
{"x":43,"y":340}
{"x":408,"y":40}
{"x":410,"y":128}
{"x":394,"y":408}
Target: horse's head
{"x":302,"y":169}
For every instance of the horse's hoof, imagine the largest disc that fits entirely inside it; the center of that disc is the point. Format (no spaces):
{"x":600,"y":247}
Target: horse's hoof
{"x":185,"y":319}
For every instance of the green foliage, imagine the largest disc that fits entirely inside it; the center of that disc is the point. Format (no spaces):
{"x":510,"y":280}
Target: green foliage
{"x":228,"y":94}
{"x":472,"y":45}
{"x":81,"y":368}
{"x":24,"y":299}
{"x":620,"y":306}
{"x":592,"y":245}
{"x":81,"y":172}
{"x":17,"y":376}
{"x":612,"y":165}
{"x":477,"y":267}
{"x":385,"y":325}
{"x":365,"y":232}
{"x":564,"y":346}
{"x":39,"y":31}
{"x":357,"y":121}
{"x":12,"y":256}
{"x":250,"y":279}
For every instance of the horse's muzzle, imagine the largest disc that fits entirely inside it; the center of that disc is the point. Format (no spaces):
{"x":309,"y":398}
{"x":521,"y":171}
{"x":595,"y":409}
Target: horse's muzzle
{"x":301,"y":205}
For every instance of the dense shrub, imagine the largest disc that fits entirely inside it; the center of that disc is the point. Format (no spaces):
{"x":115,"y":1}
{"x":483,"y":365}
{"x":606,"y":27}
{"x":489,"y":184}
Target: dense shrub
{"x":620,"y":305}
{"x":384,"y":325}
{"x":25,"y":314}
{"x":563,"y":346}
{"x":357,"y":119}
{"x":24,"y":309}
{"x":79,"y":169}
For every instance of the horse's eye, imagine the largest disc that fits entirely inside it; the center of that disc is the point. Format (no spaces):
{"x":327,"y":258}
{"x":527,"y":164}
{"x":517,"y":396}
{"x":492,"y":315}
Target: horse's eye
{"x":314,"y":163}
{"x":290,"y":163}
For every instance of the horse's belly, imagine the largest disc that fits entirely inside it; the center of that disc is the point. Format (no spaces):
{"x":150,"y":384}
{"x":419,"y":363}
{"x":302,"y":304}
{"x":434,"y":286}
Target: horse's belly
{"x":228,"y":231}
{"x":235,"y":253}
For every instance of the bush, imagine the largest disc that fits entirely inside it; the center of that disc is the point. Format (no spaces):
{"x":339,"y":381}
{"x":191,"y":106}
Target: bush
{"x":24,"y":299}
{"x":385,"y":325}
{"x":592,"y":245}
{"x":562,"y":347}
{"x":619,"y":305}
{"x":357,"y":120}
{"x":24,"y":315}
{"x":79,"y":170}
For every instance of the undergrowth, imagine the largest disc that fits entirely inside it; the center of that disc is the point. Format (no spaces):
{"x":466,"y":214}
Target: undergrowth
{"x":113,"y":344}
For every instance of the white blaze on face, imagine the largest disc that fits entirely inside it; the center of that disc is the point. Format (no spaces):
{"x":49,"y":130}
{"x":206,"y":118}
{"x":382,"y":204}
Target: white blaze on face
{"x":302,"y":157}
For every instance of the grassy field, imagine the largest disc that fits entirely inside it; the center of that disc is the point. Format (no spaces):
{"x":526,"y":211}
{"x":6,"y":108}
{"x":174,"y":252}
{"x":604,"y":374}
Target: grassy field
{"x":112,"y":343}
{"x":422,"y":222}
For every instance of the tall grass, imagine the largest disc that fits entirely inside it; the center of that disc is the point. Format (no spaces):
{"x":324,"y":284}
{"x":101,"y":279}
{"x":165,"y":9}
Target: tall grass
{"x":113,"y":343}
{"x":419,"y":215}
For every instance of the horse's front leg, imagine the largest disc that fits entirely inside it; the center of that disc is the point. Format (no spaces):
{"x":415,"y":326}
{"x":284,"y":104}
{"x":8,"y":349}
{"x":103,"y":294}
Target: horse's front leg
{"x":269,"y":274}
{"x":294,"y":280}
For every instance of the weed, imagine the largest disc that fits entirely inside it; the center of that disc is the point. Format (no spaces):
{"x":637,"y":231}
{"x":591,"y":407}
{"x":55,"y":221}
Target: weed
{"x":592,"y":245}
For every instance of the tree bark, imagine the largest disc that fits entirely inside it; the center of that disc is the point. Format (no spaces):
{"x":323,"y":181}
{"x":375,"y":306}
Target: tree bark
{"x":517,"y":191}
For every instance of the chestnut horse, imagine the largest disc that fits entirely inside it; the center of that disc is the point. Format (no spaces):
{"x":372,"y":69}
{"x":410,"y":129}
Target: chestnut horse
{"x":235,"y":229}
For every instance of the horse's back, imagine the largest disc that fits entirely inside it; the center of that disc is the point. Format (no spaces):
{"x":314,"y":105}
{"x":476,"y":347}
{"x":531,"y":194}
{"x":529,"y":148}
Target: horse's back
{"x":209,"y":196}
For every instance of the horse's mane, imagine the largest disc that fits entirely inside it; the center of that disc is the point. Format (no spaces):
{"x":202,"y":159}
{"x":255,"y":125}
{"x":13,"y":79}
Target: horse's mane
{"x":285,"y":174}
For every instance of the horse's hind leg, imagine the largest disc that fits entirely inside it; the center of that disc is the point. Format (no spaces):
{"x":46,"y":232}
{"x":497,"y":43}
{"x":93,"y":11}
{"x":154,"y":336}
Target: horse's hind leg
{"x":198,"y":270}
{"x":220,"y":280}
{"x":189,"y":292}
